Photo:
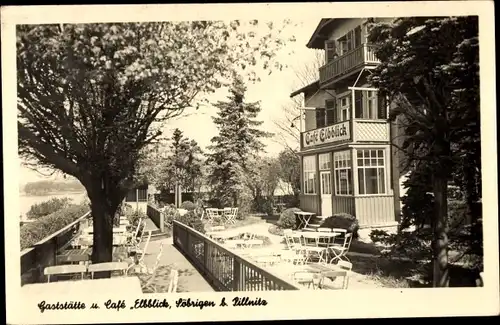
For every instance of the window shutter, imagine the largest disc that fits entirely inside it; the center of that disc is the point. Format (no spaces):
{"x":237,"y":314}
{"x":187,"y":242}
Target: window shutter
{"x":331,"y":50}
{"x":358,"y":103}
{"x":357,"y":36}
{"x":381,"y":107}
{"x":331,"y":111}
{"x":320,"y":117}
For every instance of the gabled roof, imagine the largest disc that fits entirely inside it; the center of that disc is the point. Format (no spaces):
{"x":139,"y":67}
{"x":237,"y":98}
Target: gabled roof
{"x":308,"y":88}
{"x":320,"y":34}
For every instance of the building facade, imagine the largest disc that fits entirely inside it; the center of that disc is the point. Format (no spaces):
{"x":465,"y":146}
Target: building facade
{"x":347,"y":162}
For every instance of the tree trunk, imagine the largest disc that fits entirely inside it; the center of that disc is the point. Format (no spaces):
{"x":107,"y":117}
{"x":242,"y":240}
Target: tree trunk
{"x":104,"y":204}
{"x":440,"y":229}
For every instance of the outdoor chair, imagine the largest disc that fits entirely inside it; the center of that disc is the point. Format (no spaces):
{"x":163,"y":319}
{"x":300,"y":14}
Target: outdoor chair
{"x":230,"y":214}
{"x":235,"y":243}
{"x":138,"y":234}
{"x":108,"y":266}
{"x":295,"y":253}
{"x":142,"y":252}
{"x":174,"y":279}
{"x":320,"y":248}
{"x":339,"y":251}
{"x":333,"y":275}
{"x":65,"y":270}
{"x":149,"y":283}
{"x":307,"y":278}
{"x":211,"y":214}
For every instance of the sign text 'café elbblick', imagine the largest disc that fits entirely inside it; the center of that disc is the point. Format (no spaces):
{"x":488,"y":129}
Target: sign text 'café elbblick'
{"x":329,"y":134}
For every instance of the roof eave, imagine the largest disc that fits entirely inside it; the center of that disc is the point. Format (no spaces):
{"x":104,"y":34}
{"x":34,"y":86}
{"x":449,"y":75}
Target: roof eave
{"x":317,"y":40}
{"x":313,"y":85}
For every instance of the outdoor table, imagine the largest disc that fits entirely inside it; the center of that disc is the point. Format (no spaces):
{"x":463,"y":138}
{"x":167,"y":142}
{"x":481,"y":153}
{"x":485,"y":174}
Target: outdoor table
{"x":120,"y":253}
{"x":304,"y":218}
{"x":116,"y":230}
{"x":124,"y":285}
{"x":223,"y":235}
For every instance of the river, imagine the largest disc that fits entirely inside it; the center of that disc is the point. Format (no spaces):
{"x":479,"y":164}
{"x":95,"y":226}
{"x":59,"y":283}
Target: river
{"x":26,"y":201}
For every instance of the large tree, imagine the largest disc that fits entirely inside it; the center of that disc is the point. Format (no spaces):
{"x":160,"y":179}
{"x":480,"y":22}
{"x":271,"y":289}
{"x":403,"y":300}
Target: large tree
{"x":288,"y":122}
{"x":91,"y":97}
{"x":237,"y":144}
{"x":429,"y":68}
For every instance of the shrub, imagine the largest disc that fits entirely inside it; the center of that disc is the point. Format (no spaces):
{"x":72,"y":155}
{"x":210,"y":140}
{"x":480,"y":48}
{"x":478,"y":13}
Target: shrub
{"x":342,"y":221}
{"x":192,"y":219}
{"x":45,"y":208}
{"x":170,"y":212}
{"x":287,"y":219}
{"x":188,"y":205}
{"x":33,"y":232}
{"x":275,"y":230}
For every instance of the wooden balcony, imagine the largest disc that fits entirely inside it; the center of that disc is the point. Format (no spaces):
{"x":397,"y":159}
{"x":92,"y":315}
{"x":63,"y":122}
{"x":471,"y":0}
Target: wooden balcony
{"x":349,"y":62}
{"x":357,"y":130}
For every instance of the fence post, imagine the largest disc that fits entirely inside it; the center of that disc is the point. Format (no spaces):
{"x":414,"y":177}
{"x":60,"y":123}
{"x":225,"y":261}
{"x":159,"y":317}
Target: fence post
{"x":205,"y":255}
{"x":236,"y":274}
{"x":162,"y":221}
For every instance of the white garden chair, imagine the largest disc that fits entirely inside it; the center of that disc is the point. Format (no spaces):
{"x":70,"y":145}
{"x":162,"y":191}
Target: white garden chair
{"x":142,"y":252}
{"x":311,"y":279}
{"x":339,"y":251}
{"x":109,"y":266}
{"x":230,"y":214}
{"x":65,"y":270}
{"x":149,"y":283}
{"x":174,"y":279}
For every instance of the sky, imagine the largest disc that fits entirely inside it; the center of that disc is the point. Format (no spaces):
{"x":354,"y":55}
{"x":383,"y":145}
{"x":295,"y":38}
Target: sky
{"x":273,"y":91}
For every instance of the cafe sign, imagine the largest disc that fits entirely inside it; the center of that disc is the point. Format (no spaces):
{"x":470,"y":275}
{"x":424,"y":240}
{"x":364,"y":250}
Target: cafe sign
{"x":330,"y":134}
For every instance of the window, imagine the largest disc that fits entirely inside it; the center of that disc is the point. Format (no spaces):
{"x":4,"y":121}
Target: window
{"x":343,"y":108}
{"x":325,"y":161}
{"x":331,"y":50}
{"x":140,"y":194}
{"x":309,"y":166}
{"x":369,"y":105}
{"x":331,"y":111}
{"x":350,"y":41}
{"x":371,"y":171}
{"x":343,"y":172}
{"x":320,"y":118}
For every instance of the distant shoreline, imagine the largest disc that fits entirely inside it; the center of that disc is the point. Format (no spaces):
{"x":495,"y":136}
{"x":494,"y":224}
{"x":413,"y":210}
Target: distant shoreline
{"x":53,"y":193}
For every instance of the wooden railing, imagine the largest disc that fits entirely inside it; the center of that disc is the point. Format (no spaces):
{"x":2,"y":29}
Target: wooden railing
{"x":224,"y":269}
{"x":156,"y":216}
{"x":43,"y":253}
{"x":363,"y":54}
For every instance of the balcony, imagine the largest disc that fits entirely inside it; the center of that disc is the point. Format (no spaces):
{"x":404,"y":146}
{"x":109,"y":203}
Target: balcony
{"x":355,"y":131}
{"x":357,"y":58}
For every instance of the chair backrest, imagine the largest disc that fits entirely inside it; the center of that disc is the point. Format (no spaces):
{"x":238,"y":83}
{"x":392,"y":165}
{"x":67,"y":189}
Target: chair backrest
{"x":139,"y":225}
{"x":321,"y":229}
{"x":64,"y":269}
{"x":174,"y":279}
{"x":234,"y":212}
{"x":339,"y":273}
{"x":158,"y":257}
{"x":340,"y":238}
{"x":347,"y":241}
{"x":325,"y":240}
{"x":146,"y":246}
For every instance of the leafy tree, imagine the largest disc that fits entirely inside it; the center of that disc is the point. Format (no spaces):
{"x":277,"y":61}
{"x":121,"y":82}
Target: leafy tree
{"x":47,"y":207}
{"x":91,"y":97}
{"x":262,"y":180}
{"x":289,"y":163}
{"x":237,"y":143}
{"x":427,"y":66}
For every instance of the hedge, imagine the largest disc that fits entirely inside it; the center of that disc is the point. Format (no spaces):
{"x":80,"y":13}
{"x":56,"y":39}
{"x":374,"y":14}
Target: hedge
{"x":45,"y":208}
{"x":33,"y":232}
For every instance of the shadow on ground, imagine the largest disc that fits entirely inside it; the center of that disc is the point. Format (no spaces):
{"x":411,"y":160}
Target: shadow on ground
{"x":399,"y":274}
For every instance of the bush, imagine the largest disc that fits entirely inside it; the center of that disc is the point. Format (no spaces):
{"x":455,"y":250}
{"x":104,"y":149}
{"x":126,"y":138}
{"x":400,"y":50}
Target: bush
{"x":170,"y":212}
{"x":45,"y":208}
{"x":33,"y":232}
{"x":275,"y":230}
{"x":342,"y":221}
{"x":192,"y":219}
{"x":287,"y":219}
{"x":188,"y":205}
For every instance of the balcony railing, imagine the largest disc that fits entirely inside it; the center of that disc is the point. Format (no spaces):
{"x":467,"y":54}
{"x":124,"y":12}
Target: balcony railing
{"x":224,"y":269}
{"x":358,"y":130}
{"x":44,"y":253}
{"x":362,"y":55}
